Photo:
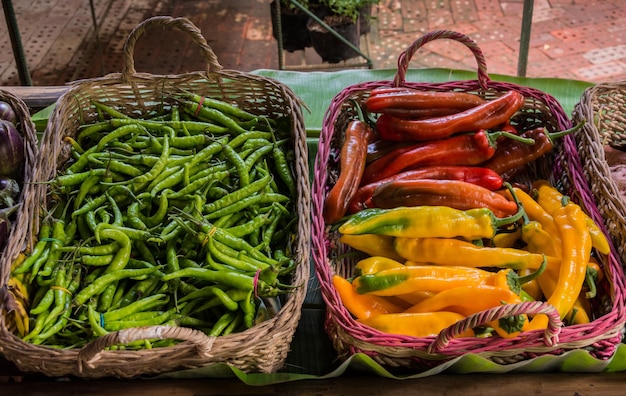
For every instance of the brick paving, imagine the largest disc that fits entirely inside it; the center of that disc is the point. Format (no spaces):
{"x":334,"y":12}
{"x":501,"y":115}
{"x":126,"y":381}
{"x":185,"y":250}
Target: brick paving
{"x":576,"y":39}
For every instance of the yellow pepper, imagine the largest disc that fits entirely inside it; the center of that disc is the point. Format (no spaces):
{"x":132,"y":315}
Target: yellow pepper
{"x":576,"y":240}
{"x":362,"y":306}
{"x":372,"y":244}
{"x":507,"y":239}
{"x":471,"y":299}
{"x":427,"y":221}
{"x":409,"y":279}
{"x":551,"y":199}
{"x":455,"y":252}
{"x":415,"y":297}
{"x":374,"y":264}
{"x":415,"y":324}
{"x":537,"y":214}
{"x":579,"y":314}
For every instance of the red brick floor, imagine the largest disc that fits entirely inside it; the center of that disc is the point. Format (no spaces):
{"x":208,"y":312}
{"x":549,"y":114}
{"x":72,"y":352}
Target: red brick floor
{"x":574,"y":39}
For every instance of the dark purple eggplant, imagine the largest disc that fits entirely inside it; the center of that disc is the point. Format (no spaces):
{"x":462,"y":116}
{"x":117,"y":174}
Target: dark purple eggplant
{"x":7,"y":113}
{"x":11,"y":150}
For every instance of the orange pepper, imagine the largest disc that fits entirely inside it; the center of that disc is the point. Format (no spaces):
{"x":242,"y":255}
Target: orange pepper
{"x":423,"y":324}
{"x":362,"y":306}
{"x":471,"y":299}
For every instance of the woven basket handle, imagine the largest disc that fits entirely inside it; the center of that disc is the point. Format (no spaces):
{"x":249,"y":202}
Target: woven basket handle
{"x":182,"y":24}
{"x":90,"y":353}
{"x":550,"y":337}
{"x":406,"y":56}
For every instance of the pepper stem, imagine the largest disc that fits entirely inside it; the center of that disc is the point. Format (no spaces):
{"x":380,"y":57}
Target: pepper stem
{"x":517,"y":201}
{"x":534,"y":275}
{"x":590,"y":280}
{"x":556,"y":135}
{"x":494,"y":135}
{"x":502,"y":221}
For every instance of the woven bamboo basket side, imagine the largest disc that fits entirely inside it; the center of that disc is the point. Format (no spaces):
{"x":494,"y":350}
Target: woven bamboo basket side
{"x":20,"y":224}
{"x":261,"y":348}
{"x":26,"y":127}
{"x":348,"y":336}
{"x":603,"y":109}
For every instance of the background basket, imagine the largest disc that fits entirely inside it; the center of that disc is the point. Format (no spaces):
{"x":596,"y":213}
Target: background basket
{"x":261,"y":348}
{"x":27,"y":128}
{"x":601,"y":337}
{"x":603,"y":107}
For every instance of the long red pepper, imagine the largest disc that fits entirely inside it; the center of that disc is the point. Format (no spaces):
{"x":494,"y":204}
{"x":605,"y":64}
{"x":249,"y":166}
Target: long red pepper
{"x":384,"y":99}
{"x":351,"y":166}
{"x":472,"y":174}
{"x":456,"y":194}
{"x":379,"y":148}
{"x":485,"y":116}
{"x":465,"y":149}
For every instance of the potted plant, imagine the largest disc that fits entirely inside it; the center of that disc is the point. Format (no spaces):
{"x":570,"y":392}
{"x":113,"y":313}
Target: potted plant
{"x":343,"y":16}
{"x":349,"y":18}
{"x":295,"y":36}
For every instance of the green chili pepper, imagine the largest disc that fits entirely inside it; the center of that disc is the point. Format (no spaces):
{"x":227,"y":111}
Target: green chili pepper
{"x":118,"y":133}
{"x":222,"y":323}
{"x":229,"y":278}
{"x":144,"y":304}
{"x":38,"y":249}
{"x":237,"y":195}
{"x":98,"y":285}
{"x":211,"y":115}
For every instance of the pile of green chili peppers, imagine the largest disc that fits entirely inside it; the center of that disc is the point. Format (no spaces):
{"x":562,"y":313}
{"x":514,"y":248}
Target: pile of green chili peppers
{"x":183,"y":218}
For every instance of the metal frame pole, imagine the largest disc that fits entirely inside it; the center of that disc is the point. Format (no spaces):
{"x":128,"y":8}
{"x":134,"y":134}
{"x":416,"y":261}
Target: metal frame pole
{"x":16,"y":43}
{"x":527,"y":18}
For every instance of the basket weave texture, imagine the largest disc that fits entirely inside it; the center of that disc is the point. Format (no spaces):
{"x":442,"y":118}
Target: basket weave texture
{"x":261,"y":348}
{"x":562,"y":168}
{"x":603,"y":108}
{"x":27,"y":128}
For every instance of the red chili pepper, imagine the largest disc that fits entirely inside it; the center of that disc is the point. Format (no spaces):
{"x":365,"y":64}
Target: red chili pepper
{"x":472,"y":174}
{"x":488,"y":115}
{"x":466,"y":149}
{"x":385,"y":98}
{"x":351,"y":166}
{"x":456,"y":194}
{"x":512,"y":156}
{"x":380,"y":147}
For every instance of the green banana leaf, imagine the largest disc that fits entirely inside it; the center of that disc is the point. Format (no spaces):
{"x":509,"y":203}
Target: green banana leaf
{"x":317,"y":89}
{"x":576,"y":361}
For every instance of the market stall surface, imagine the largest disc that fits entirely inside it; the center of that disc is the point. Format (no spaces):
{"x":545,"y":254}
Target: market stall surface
{"x":63,"y":41}
{"x":569,"y":40}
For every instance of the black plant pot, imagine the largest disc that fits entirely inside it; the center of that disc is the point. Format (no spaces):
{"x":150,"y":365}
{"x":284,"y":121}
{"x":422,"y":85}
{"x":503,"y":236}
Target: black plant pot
{"x":365,"y":18}
{"x":330,"y":48}
{"x":293,"y":27}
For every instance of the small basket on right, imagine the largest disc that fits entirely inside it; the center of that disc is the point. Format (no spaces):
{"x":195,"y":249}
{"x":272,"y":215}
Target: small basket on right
{"x":603,"y":108}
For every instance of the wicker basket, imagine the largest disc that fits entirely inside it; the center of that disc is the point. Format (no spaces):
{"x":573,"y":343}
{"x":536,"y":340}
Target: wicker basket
{"x":20,"y":224}
{"x":261,"y":348}
{"x":31,"y":149}
{"x":601,"y":337}
{"x":603,"y":107}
